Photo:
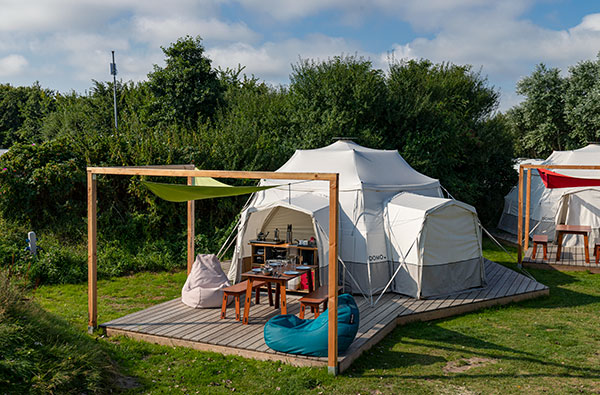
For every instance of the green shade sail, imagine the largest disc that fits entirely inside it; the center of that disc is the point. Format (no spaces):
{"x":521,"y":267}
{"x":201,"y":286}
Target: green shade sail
{"x":203,"y":188}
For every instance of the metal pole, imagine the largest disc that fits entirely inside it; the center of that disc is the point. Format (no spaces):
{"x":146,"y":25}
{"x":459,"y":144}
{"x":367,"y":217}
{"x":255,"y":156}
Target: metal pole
{"x":113,"y":71}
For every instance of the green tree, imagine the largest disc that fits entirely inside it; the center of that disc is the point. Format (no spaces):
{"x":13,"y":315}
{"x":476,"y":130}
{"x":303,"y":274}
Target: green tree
{"x":187,"y":89}
{"x":343,"y":96}
{"x":538,"y":123}
{"x":441,"y":119}
{"x":582,"y":102}
{"x":22,"y":110}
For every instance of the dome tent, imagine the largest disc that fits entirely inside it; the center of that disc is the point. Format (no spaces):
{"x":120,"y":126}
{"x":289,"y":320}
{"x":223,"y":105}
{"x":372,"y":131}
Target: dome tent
{"x":434,"y":245}
{"x":367,"y":178}
{"x":565,"y":205}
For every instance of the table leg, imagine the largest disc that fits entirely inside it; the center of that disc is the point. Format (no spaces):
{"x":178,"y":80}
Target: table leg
{"x":224,"y":306}
{"x":247,"y":301}
{"x":283,"y":300}
{"x":559,"y":249}
{"x":587,"y":248}
{"x":277,"y":296}
{"x":270,"y":293}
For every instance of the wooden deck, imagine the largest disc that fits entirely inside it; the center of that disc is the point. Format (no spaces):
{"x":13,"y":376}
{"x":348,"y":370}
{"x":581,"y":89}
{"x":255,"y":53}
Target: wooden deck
{"x":572,"y":259}
{"x":173,"y":323}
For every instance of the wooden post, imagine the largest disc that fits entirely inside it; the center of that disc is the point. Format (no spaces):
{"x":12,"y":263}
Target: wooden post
{"x":191,"y":231}
{"x":92,"y":255}
{"x":332,"y":351}
{"x":527,"y":208}
{"x":520,"y":219}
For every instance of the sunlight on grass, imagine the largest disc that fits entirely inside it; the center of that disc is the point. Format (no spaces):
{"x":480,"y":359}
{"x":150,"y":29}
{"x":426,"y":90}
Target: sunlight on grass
{"x":548,"y":344}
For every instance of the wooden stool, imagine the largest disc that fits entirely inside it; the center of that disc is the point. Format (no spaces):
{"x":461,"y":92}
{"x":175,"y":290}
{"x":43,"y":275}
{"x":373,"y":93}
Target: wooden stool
{"x":238,"y":290}
{"x":597,"y":252}
{"x":540,"y":240}
{"x":314,"y":300}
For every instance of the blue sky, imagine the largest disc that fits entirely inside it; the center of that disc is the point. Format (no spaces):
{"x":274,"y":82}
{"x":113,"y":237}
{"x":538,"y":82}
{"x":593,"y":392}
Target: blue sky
{"x":65,"y":44}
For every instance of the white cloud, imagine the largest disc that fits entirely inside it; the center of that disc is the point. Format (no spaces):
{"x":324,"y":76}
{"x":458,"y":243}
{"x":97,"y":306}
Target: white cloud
{"x":12,"y":65}
{"x":50,"y":15}
{"x":505,"y":46}
{"x":272,"y":61}
{"x":162,"y":31}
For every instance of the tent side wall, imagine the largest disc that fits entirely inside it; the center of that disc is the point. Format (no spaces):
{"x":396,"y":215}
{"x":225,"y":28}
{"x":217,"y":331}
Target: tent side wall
{"x":451,"y":252}
{"x":438,"y":250}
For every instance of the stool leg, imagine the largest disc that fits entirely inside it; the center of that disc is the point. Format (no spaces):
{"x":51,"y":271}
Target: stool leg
{"x":224,"y":306}
{"x":237,"y":307}
{"x":545,"y":251}
{"x":534,"y":252}
{"x":586,"y":248}
{"x":302,"y":308}
{"x":270,"y":292}
{"x":317,"y":312}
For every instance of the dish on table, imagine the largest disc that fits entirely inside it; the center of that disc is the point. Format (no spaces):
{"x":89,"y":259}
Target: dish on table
{"x":303,"y":267}
{"x":291,"y":272}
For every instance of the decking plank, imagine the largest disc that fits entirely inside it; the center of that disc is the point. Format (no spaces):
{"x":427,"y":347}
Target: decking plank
{"x":150,"y":310}
{"x":172,"y":322}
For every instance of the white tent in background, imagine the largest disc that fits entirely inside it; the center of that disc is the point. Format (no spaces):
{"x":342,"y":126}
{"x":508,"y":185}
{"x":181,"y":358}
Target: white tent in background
{"x":435,"y":245}
{"x":579,"y":204}
{"x":368,"y":178}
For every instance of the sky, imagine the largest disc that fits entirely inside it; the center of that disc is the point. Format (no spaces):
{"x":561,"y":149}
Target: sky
{"x":65,"y":44}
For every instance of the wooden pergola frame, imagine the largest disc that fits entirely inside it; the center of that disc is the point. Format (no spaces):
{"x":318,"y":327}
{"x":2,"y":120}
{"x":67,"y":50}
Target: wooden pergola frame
{"x":189,"y":172}
{"x":523,"y":234}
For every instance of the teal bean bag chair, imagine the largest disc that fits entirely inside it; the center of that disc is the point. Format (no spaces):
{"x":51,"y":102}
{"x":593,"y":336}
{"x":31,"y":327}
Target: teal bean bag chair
{"x":290,"y":334}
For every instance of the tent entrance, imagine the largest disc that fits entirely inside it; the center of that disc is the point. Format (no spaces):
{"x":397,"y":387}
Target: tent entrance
{"x":580,"y":208}
{"x":276,"y":219}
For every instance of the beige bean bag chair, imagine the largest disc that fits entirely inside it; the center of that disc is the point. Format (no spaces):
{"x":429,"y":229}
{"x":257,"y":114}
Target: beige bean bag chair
{"x":204,"y":285}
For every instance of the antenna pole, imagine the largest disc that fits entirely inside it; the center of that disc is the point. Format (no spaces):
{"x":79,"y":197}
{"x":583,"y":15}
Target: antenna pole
{"x":113,"y":71}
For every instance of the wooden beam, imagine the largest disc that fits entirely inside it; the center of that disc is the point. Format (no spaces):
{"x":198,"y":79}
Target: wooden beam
{"x":332,"y":351}
{"x":527,"y":208}
{"x":139,"y":171}
{"x":191,"y":229}
{"x":520,"y":217}
{"x":92,"y":253}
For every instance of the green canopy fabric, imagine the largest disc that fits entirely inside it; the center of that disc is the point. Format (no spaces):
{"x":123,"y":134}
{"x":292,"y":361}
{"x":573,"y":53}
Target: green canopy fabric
{"x":204,"y":188}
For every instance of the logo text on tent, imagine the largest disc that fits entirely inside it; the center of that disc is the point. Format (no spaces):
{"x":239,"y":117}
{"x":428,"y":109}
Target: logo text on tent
{"x":377,"y":258}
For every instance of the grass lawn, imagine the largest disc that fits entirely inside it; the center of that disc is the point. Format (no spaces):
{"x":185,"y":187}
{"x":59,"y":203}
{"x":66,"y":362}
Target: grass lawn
{"x":547,"y":345}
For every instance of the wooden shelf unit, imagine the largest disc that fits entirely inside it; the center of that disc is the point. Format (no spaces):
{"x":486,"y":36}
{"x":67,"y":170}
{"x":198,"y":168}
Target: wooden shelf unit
{"x":279,"y":251}
{"x":261,"y":252}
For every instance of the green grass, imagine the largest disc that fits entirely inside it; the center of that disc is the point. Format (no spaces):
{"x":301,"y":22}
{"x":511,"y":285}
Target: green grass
{"x":42,"y":353}
{"x":547,"y":345}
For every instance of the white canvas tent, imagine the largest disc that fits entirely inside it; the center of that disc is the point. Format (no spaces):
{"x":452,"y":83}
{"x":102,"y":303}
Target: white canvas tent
{"x":434,"y":245}
{"x":368,"y":178}
{"x":578,"y":204}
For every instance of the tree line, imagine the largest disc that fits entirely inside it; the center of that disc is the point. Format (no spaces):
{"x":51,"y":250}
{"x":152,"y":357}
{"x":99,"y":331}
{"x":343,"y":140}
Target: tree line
{"x":442,"y":118}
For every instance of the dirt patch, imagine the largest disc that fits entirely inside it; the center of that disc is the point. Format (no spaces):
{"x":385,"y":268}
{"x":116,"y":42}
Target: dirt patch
{"x":462,"y":365}
{"x":127,"y":382}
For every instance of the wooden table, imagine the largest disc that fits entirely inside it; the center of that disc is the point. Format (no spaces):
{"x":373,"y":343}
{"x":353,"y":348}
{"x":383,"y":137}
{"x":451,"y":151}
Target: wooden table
{"x":573,"y":230}
{"x":281,"y":284}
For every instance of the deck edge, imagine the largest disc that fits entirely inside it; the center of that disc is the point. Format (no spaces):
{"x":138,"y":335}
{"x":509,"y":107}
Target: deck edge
{"x":172,"y":342}
{"x":562,"y":268}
